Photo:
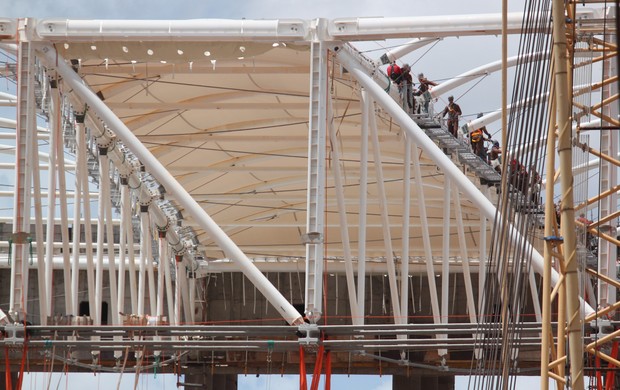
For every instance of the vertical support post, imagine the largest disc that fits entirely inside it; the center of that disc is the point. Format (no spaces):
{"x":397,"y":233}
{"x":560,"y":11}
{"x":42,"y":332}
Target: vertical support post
{"x":64,"y":221}
{"x":25,"y":128}
{"x":342,"y":214}
{"x":122,"y":237}
{"x":567,"y":210}
{"x":607,"y":251}
{"x":150,"y":269}
{"x":126,"y":218}
{"x":40,"y":236}
{"x":361,"y":251}
{"x":168,"y":282}
{"x":469,"y":290}
{"x":77,"y":213}
{"x":96,"y":312}
{"x":430,"y":271}
{"x":144,"y":243}
{"x":179,"y":287}
{"x":404,"y":258}
{"x":547,"y":335}
{"x":160,"y":275}
{"x":482,"y":268}
{"x":445,"y":253}
{"x":81,"y":170}
{"x":192,"y":295}
{"x":105,"y":188}
{"x":316,"y":181}
{"x":51,"y":196}
{"x":387,"y":237}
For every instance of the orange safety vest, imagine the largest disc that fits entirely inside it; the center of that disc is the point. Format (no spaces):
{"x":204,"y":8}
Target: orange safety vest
{"x":476,"y":135}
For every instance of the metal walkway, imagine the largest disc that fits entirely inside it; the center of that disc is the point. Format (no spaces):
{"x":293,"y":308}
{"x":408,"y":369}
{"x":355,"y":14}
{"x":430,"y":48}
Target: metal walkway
{"x":439,"y":133}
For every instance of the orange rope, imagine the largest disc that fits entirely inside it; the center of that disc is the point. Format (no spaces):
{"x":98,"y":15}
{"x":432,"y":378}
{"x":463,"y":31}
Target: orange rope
{"x":318,"y":366}
{"x":7,"y":373}
{"x":599,"y":377}
{"x":303,"y":384}
{"x":609,"y":380}
{"x":22,"y":366}
{"x":328,"y":370}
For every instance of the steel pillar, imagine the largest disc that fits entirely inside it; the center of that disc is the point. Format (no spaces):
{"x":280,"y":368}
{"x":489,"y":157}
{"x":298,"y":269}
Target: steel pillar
{"x":316,"y":182}
{"x":26,"y":126}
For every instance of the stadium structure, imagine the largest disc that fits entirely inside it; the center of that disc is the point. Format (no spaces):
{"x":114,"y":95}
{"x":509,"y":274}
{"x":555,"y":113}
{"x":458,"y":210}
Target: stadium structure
{"x":217,"y":197}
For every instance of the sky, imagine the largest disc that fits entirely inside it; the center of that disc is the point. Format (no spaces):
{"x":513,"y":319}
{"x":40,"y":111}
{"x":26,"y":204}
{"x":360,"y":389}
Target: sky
{"x":264,"y":382}
{"x":448,"y":58}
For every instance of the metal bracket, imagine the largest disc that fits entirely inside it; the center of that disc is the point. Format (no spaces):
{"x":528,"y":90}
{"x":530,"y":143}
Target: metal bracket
{"x":312,"y":238}
{"x":12,"y":331}
{"x":309,"y":335}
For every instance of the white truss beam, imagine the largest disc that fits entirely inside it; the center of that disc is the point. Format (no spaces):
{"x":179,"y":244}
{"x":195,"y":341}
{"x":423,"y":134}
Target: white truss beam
{"x":186,"y":30}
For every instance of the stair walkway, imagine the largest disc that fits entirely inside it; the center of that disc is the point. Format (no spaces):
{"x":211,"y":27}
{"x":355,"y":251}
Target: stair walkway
{"x":439,"y":133}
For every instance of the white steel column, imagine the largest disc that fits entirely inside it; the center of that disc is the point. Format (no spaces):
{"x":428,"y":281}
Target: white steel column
{"x":161,"y":242}
{"x":54,"y":61}
{"x":40,"y":236}
{"x":126,"y":221}
{"x":104,"y":170}
{"x":144,"y":243}
{"x":180,"y":286}
{"x":387,"y":236}
{"x":51,"y":195}
{"x":25,"y":128}
{"x":192,"y":295}
{"x":162,"y":249}
{"x":445,"y":253}
{"x":96,"y":311}
{"x":316,"y":182}
{"x":361,"y":251}
{"x":469,"y":290}
{"x":168,"y":283}
{"x":77,"y":213}
{"x":404,"y":258}
{"x":122,"y":237}
{"x":342,"y":214}
{"x":430,"y":271}
{"x":81,"y":170}
{"x":150,"y":268}
{"x":482,"y":259}
{"x":64,"y":222}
